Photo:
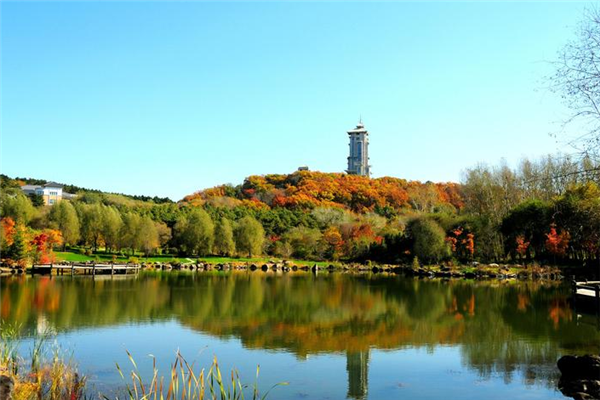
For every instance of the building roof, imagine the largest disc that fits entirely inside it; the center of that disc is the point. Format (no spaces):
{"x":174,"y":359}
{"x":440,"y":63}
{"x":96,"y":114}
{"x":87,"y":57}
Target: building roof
{"x":30,"y":187}
{"x":360,"y":128}
{"x":53,"y":184}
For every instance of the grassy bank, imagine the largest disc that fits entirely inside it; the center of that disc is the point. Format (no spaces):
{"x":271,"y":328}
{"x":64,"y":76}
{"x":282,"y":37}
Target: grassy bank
{"x":73,"y":256}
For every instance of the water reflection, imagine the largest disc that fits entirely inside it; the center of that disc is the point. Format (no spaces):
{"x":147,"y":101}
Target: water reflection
{"x":512,"y":329}
{"x":357,"y":365}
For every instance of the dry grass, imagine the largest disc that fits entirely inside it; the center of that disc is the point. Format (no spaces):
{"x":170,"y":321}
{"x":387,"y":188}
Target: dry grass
{"x":40,"y":377}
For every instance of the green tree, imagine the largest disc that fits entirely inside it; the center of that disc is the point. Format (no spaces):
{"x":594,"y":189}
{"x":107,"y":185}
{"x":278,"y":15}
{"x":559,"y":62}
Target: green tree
{"x":305,"y":242}
{"x":18,"y":207}
{"x":111,"y":226}
{"x":529,"y":220}
{"x":148,"y":236}
{"x":195,"y":232}
{"x":18,"y":249}
{"x":429,"y":240}
{"x":91,"y":224}
{"x":224,"y":243}
{"x":249,"y":236}
{"x":37,"y":200}
{"x":63,"y":217}
{"x":164,"y":233}
{"x":130,"y":232}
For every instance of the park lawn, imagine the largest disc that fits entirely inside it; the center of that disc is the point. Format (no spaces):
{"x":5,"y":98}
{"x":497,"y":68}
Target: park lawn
{"x":70,"y":256}
{"x":78,"y":257}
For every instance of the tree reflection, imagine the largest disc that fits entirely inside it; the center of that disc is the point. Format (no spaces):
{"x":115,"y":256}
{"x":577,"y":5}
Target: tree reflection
{"x":514,"y":329}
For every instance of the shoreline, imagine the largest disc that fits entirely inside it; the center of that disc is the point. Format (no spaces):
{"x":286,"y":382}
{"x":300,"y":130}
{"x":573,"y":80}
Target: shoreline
{"x":474,"y":271}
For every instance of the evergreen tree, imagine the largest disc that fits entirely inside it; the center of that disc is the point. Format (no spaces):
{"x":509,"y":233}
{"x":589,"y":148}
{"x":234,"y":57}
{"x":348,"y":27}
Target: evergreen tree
{"x":18,"y":249}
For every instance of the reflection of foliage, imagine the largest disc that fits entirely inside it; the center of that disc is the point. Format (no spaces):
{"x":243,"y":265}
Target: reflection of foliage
{"x":500,"y":326}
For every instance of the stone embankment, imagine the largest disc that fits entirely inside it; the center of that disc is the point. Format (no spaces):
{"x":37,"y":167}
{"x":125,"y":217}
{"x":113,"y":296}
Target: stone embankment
{"x":580,"y":377}
{"x":473,"y":271}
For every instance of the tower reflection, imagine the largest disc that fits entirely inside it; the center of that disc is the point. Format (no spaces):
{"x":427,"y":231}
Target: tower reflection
{"x":357,"y":365}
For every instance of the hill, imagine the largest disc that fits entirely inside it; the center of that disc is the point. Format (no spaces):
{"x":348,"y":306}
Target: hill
{"x":7,"y":182}
{"x":304,"y":190}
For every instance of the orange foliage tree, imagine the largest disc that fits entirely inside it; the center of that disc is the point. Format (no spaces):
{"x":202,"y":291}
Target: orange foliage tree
{"x":522,"y":245}
{"x":309,"y":189}
{"x":7,"y":225}
{"x":43,"y":244}
{"x":557,"y":243}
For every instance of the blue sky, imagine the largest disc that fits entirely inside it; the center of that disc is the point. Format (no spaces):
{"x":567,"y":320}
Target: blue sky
{"x":165,"y":99}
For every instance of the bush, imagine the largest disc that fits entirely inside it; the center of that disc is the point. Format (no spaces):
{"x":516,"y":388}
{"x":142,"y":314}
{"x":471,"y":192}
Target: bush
{"x":429,"y":240}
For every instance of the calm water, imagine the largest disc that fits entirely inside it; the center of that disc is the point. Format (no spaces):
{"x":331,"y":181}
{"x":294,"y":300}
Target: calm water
{"x":331,"y":336}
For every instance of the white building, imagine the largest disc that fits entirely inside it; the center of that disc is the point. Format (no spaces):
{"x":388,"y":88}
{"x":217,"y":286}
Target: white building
{"x":51,"y":192}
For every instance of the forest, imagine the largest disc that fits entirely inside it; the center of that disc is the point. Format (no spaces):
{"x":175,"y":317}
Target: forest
{"x":543,"y":211}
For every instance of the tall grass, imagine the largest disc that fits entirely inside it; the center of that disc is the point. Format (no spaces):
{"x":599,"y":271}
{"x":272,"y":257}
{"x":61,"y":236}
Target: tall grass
{"x":48,"y":374}
{"x":9,"y":347}
{"x":185,"y":383}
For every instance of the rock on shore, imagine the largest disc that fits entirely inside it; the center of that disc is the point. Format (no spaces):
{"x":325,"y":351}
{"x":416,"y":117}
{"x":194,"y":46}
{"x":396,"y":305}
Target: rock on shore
{"x":580,"y":376}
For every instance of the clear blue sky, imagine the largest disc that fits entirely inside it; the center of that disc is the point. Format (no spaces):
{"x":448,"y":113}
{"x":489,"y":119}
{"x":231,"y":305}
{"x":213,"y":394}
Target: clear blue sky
{"x":169,"y":98}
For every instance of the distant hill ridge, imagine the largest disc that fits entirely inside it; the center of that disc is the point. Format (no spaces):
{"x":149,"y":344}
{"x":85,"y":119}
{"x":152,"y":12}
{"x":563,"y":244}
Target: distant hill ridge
{"x":7,"y":182}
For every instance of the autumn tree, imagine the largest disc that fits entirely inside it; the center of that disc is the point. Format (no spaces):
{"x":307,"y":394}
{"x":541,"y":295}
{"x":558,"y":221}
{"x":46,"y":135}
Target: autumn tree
{"x":249,"y":236}
{"x":334,"y":242}
{"x":7,"y":232}
{"x":556,"y":242}
{"x":224,"y":242}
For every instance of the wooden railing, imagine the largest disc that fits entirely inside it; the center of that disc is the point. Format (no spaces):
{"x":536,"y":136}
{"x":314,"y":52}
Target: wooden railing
{"x":85,"y":268}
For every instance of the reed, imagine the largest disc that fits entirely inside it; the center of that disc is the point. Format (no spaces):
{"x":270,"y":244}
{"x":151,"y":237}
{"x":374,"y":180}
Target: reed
{"x":50,"y":374}
{"x":40,"y":377}
{"x":186,"y":383}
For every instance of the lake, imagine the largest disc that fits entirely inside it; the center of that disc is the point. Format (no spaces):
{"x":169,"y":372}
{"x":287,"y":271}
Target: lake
{"x":330,"y":335}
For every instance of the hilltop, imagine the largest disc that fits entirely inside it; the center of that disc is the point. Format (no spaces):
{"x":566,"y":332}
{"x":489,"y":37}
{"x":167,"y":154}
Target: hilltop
{"x":305,"y":190}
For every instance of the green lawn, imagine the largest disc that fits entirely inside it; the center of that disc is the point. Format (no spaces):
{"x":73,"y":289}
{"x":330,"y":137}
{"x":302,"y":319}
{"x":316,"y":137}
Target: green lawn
{"x":71,"y":256}
{"x":77,"y":257}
